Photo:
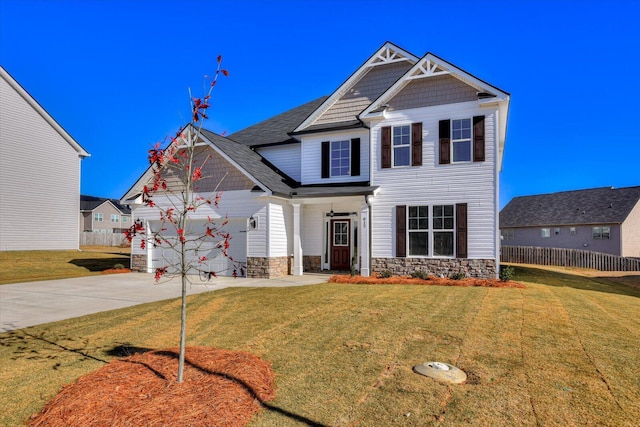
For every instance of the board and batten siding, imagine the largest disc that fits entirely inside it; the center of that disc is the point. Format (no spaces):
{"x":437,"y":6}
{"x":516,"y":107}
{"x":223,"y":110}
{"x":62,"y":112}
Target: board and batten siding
{"x":312,"y":157}
{"x":631,"y":233}
{"x":473,"y":183}
{"x":39,"y":180}
{"x":284,"y":157}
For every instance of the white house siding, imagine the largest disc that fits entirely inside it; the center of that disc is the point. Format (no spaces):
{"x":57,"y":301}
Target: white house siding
{"x":473,"y":183}
{"x":631,"y":233}
{"x":278,"y":239}
{"x":284,"y":157}
{"x":39,"y":179}
{"x":312,"y":157}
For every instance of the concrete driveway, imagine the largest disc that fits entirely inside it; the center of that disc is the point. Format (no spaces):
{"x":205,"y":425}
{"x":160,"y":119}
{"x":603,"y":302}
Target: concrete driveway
{"x":35,"y":303}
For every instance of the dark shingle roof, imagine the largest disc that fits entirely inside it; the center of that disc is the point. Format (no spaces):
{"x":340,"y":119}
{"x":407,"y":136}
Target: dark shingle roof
{"x":275,"y":130}
{"x":89,"y":203}
{"x":606,"y":205}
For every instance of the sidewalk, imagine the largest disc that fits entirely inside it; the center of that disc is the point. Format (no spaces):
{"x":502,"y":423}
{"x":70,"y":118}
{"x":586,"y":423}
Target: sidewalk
{"x":35,"y":303}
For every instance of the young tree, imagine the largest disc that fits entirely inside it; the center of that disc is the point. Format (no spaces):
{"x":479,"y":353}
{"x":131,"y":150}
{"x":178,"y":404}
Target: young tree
{"x":179,"y":186}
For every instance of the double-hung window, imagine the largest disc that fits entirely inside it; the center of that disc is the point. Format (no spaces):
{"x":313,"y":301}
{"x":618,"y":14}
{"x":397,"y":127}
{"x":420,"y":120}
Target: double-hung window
{"x":443,"y":229}
{"x":340,"y":158}
{"x":461,"y":140}
{"x":419,"y":230}
{"x":401,"y":145}
{"x":115,"y":218}
{"x":601,"y":232}
{"x":98,"y":217}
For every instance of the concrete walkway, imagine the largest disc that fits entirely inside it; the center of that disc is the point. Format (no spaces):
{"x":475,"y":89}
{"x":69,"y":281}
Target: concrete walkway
{"x":35,"y":303}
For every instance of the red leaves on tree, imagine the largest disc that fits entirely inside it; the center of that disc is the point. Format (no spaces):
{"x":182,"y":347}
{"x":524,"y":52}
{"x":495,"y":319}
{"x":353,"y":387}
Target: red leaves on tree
{"x":160,"y":271}
{"x":197,"y":174}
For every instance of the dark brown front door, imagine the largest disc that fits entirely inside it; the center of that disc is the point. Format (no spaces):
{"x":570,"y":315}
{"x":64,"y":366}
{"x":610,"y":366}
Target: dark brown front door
{"x":340,"y":246}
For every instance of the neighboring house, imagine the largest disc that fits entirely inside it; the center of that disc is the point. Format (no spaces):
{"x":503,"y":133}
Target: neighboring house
{"x":39,"y":175}
{"x":599,"y":219}
{"x":100,"y":215}
{"x":396,"y":170}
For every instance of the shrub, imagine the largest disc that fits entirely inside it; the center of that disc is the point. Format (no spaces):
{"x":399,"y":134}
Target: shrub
{"x":457,"y":276}
{"x":418,"y":274}
{"x":385,"y":274}
{"x":506,"y":273}
{"x":118,"y":266}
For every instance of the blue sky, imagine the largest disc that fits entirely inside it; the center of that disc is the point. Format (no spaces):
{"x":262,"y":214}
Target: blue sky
{"x":115,"y":73}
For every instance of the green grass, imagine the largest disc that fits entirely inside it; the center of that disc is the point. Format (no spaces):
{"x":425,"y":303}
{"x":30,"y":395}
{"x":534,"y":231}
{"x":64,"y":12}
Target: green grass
{"x":28,"y":266}
{"x":563,"y":351}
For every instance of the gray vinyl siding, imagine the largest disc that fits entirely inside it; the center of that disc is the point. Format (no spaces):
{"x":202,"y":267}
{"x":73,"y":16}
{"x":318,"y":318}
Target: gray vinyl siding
{"x":583,"y":238}
{"x":364,"y":92}
{"x":438,"y":90}
{"x":39,"y":180}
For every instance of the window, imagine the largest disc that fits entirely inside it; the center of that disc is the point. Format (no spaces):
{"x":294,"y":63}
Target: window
{"x":461,"y":140}
{"x":419,"y":230}
{"x":341,"y":233}
{"x":401,"y":146}
{"x":507,"y":234}
{"x":443,"y":230}
{"x":546,"y":232}
{"x":97,"y":217}
{"x":601,"y":232}
{"x":125,"y":218}
{"x":115,"y":218}
{"x":556,"y":231}
{"x":572,"y":231}
{"x":340,"y":158}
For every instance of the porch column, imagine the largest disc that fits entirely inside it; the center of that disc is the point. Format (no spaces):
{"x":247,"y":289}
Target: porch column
{"x":364,"y":240}
{"x":297,"y":241}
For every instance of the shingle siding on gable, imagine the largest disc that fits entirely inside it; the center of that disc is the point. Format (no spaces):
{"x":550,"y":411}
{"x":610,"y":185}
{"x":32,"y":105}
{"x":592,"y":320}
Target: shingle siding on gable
{"x":432,"y":91}
{"x":38,"y":168}
{"x":372,"y":85}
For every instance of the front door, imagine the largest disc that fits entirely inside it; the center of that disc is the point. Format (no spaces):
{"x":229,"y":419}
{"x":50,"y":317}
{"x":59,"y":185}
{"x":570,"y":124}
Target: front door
{"x":340,"y":246}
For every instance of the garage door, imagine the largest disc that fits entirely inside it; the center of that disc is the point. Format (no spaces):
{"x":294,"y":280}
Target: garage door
{"x":166,"y":256}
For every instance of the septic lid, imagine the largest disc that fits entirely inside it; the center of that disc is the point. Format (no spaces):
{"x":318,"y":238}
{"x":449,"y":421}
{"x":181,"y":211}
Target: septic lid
{"x":441,"y":371}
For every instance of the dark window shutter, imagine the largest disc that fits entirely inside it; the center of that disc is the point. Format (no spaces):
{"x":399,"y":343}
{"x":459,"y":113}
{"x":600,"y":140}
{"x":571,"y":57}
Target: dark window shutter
{"x":416,"y":144}
{"x":326,"y":159}
{"x":445,"y":142}
{"x":386,"y":147}
{"x":478,"y":139}
{"x":401,"y":231}
{"x":355,"y":157}
{"x":461,"y":230}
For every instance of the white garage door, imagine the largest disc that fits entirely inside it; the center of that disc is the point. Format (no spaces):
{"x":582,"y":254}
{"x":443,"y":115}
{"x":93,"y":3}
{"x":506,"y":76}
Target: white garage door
{"x":166,"y":256}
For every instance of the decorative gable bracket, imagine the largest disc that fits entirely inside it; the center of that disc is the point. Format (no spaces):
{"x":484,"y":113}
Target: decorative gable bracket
{"x":387,"y":55}
{"x":427,"y":68}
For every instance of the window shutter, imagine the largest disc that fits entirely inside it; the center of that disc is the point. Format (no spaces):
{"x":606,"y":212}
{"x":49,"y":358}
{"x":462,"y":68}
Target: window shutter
{"x":401,"y":231}
{"x":478,"y":139}
{"x":445,"y":141}
{"x":416,"y":144}
{"x":461,"y":230}
{"x":386,"y":147}
{"x":326,"y":159}
{"x":355,"y":157}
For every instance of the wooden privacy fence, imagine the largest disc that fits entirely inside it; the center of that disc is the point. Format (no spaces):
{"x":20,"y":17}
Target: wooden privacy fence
{"x":568,"y":258}
{"x":88,"y":238}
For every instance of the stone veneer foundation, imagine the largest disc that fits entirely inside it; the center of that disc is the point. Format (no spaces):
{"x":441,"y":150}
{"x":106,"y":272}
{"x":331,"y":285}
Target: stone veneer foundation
{"x":312,"y":263}
{"x":139,"y":263}
{"x":268,"y":268}
{"x":445,"y":267}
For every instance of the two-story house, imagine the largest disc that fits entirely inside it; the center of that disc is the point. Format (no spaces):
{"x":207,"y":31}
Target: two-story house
{"x":397,"y":170}
{"x":102,"y":215}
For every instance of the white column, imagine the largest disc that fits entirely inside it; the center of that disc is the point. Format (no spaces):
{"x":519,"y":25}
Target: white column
{"x":297,"y":241}
{"x":365,"y":254}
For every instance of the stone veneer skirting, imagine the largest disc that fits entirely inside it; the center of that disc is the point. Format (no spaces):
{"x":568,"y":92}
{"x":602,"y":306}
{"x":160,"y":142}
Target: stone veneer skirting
{"x":268,"y":268}
{"x":445,"y":267}
{"x":312,"y":263}
{"x":139,"y":263}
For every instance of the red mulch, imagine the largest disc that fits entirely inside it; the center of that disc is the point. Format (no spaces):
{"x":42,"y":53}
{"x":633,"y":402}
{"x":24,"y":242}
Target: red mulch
{"x":116,"y":271}
{"x":407,"y":280}
{"x":220,"y":388}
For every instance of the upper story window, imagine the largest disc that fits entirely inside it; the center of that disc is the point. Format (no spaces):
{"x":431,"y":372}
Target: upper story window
{"x":98,"y":217}
{"x":401,"y":146}
{"x":340,"y":158}
{"x":461,"y":140}
{"x":124,"y":218}
{"x":601,"y":232}
{"x":115,"y":218}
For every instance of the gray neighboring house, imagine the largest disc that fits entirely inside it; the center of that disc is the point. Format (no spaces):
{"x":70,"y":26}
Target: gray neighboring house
{"x":101,"y":215}
{"x":39,"y":175}
{"x":603,"y":219}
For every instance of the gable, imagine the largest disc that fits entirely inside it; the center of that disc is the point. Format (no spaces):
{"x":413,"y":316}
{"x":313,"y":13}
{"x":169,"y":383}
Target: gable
{"x":364,"y":92}
{"x":438,"y":90}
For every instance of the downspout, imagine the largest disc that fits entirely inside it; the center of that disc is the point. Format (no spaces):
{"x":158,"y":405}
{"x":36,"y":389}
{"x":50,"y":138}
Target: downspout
{"x":497,"y":241}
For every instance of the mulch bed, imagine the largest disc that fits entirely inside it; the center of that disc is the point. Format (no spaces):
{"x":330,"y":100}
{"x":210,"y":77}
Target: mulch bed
{"x":438,"y":281}
{"x":116,"y":271}
{"x":220,"y":388}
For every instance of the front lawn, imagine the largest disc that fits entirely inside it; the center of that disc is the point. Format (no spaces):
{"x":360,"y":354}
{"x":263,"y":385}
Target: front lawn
{"x":562,"y":351}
